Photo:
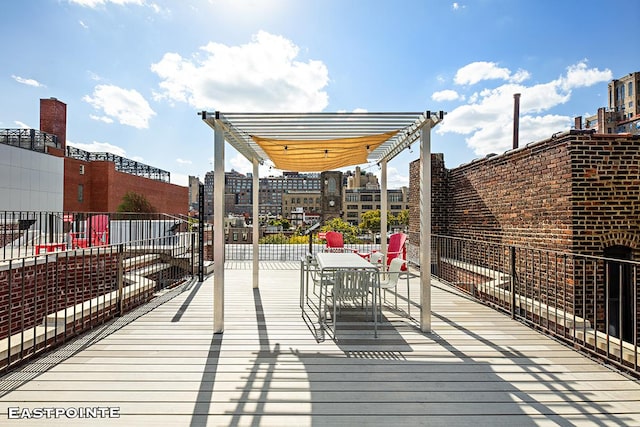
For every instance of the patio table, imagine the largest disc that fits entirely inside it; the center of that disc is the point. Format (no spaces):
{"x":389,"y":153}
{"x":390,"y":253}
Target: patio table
{"x":351,"y":276}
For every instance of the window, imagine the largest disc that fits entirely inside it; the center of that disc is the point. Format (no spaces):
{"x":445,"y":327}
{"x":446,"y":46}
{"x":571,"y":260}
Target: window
{"x":630,"y":89}
{"x":80,"y":193}
{"x":81,"y":169}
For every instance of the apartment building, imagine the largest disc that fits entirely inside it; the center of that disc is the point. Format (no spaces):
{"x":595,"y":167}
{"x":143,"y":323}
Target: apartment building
{"x":622,"y":115}
{"x":357,"y":201}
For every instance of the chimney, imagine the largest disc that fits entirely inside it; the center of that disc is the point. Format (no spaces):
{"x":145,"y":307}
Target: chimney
{"x":516,"y":119}
{"x":53,"y":119}
{"x":577,"y":123}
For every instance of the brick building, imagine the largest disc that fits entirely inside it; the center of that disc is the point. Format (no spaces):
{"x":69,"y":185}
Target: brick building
{"x":576,"y":192}
{"x":96,"y":182}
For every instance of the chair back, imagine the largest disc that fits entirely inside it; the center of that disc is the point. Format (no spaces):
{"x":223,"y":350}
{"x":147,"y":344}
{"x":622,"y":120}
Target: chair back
{"x":397,"y":265}
{"x":335,"y":242}
{"x":397,"y":248}
{"x":354,"y":285}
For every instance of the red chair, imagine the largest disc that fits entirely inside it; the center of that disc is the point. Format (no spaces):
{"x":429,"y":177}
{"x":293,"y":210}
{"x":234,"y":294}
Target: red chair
{"x":335,"y":243}
{"x":396,"y":248}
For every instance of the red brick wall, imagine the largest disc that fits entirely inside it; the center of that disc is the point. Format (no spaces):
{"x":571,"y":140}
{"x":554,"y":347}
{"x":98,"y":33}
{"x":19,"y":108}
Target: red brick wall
{"x":53,"y":119}
{"x":522,"y":197}
{"x":104,"y":188}
{"x":30,"y":291}
{"x":577,"y":193}
{"x":606,"y":193}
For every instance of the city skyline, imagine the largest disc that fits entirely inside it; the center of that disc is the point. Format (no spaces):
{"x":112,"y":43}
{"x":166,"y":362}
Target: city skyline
{"x":134,"y":73}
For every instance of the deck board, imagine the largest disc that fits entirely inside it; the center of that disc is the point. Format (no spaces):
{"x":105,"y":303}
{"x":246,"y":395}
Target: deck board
{"x":163,"y":366}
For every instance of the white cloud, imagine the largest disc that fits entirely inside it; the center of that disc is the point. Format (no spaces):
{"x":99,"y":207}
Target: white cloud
{"x":28,"y":82}
{"x":128,"y":107}
{"x":445,"y":95}
{"x":83,"y":25}
{"x":22,"y":125}
{"x":180,"y":179}
{"x":476,"y":72}
{"x":457,"y":6}
{"x":263,"y":75}
{"x":579,"y":75}
{"x":184,"y":162}
{"x":487,"y":117}
{"x":240,"y":164}
{"x":100,"y":147}
{"x":104,"y":119}
{"x":395,"y":179}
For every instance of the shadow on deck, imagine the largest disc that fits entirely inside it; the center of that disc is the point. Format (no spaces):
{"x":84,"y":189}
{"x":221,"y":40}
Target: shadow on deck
{"x":161,"y":365}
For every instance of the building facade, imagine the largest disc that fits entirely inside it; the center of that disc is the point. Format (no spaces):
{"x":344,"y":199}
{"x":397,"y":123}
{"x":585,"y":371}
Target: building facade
{"x":47,"y":175}
{"x":622,"y":115}
{"x":360,"y":200}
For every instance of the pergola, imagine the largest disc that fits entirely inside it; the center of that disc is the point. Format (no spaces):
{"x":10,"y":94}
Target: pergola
{"x":316,"y":142}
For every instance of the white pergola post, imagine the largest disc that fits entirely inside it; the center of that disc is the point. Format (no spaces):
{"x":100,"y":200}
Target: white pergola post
{"x":425,"y":227}
{"x":256,"y":224}
{"x":218,"y":228}
{"x":383,"y":208}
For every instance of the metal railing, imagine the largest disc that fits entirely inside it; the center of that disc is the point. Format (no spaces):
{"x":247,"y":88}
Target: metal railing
{"x":24,"y":233}
{"x":31,"y":139}
{"x":286,"y":251}
{"x":49,"y":297}
{"x":586,"y":301}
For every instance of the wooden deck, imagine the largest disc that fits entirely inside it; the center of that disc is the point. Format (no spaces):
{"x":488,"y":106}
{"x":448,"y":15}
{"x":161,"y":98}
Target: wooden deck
{"x":162,"y":366}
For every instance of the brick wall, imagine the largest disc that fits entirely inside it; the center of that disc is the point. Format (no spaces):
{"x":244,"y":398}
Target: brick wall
{"x":104,"y":188}
{"x":30,"y":290}
{"x":579,"y":192}
{"x":605,"y":174}
{"x":440,"y":205}
{"x":53,"y":119}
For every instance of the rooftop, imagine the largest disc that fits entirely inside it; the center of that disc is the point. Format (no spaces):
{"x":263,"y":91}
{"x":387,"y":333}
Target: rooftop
{"x":162,"y":365}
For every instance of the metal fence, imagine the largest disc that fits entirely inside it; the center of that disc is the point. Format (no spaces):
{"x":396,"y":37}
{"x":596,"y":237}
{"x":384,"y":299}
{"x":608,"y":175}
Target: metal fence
{"x":31,"y":139}
{"x":588,"y":302}
{"x":24,"y":233}
{"x":54,"y":293}
{"x":285,"y":252}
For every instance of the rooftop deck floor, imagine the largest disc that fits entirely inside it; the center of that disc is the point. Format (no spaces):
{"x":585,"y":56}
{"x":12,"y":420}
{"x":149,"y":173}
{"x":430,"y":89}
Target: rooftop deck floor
{"x":162,"y":366}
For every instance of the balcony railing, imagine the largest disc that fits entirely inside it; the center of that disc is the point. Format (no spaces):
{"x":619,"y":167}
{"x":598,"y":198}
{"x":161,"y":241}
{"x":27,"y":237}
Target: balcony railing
{"x":64,"y":272}
{"x":54,"y":289}
{"x":31,"y":139}
{"x":589,"y":302}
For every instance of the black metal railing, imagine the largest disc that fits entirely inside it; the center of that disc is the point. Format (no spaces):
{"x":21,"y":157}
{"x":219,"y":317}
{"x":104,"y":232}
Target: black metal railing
{"x":55,"y":292}
{"x":31,"y":139}
{"x":25,"y":233}
{"x":286,"y":251}
{"x":586,"y":301}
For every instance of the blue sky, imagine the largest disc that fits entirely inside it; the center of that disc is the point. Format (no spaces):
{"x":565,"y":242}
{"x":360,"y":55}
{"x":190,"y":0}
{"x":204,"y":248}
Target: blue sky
{"x":134,"y":73}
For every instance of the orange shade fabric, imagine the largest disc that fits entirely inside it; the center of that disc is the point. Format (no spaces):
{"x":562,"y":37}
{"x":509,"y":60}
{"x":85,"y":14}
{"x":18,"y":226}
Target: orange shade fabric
{"x":320,"y":155}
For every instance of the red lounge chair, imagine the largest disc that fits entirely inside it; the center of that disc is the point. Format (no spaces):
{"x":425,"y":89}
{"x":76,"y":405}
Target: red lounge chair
{"x":396,"y":249}
{"x":335,"y":243}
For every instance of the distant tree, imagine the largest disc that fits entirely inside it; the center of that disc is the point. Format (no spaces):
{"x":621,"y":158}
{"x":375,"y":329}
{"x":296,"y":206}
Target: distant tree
{"x":349,"y":232}
{"x":370,"y":220}
{"x":280,"y":222}
{"x":403,"y":218}
{"x":134,"y":202}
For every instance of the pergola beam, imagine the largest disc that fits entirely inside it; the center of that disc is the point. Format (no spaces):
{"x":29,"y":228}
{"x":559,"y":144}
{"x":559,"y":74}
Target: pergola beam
{"x":238,"y":128}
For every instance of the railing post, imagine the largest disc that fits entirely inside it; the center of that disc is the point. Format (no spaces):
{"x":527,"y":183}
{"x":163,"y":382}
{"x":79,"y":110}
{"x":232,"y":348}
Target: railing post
{"x":512,"y":250}
{"x":192,"y":237}
{"x":121,"y":278}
